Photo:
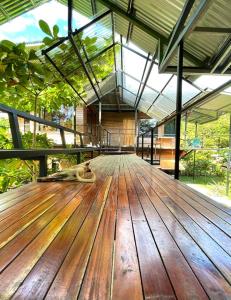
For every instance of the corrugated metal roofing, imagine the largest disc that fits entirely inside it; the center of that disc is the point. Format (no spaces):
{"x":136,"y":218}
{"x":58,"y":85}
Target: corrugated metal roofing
{"x":10,"y":9}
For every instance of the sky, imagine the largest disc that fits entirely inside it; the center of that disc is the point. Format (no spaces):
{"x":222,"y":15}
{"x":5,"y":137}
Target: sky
{"x":25,"y":28}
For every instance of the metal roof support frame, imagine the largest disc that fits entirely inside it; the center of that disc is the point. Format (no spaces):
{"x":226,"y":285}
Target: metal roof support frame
{"x":145,"y":81}
{"x":129,"y":17}
{"x":92,"y":58}
{"x":180,"y":35}
{"x":226,"y":64}
{"x":70,"y":32}
{"x":179,"y":25}
{"x":137,"y":53}
{"x":63,"y":76}
{"x":195,"y":71}
{"x":130,"y":11}
{"x":69,"y":16}
{"x":178,"y":109}
{"x":89,"y":63}
{"x":77,"y":31}
{"x":199,"y":101}
{"x":160,"y":93}
{"x":83,"y":64}
{"x":142,"y":78}
{"x":114,"y":54}
{"x":93,"y":7}
{"x":76,"y":50}
{"x":221,"y":55}
{"x":214,"y":30}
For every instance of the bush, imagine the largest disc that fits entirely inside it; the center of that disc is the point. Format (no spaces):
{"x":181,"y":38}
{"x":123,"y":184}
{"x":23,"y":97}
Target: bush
{"x":205,"y":164}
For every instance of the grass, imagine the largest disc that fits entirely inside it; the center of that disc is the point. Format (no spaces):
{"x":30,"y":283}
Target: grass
{"x":215,"y":185}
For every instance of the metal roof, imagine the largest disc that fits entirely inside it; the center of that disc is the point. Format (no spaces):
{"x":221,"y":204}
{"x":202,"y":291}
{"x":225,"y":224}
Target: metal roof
{"x":147,"y":24}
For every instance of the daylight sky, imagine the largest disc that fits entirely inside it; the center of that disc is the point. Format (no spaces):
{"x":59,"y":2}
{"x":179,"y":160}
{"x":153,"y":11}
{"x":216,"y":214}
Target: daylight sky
{"x":25,"y":28}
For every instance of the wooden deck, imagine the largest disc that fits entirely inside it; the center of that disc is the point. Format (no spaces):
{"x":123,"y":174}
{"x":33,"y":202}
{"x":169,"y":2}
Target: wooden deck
{"x":134,"y":234}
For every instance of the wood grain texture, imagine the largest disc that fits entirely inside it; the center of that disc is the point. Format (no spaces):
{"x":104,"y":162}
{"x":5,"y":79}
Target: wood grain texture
{"x":136,"y":233}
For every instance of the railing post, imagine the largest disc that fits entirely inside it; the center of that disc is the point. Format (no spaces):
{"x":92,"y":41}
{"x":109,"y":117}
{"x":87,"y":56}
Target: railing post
{"x":142,"y":153}
{"x":62,"y":134}
{"x":43,"y":166}
{"x":15,"y":132}
{"x":92,"y":154}
{"x":137,"y":145}
{"x":78,"y":158}
{"x":81,"y":140}
{"x":152,"y":135}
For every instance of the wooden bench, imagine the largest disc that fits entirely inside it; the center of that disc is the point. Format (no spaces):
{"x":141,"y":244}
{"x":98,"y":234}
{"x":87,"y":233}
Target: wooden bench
{"x":135,"y":233}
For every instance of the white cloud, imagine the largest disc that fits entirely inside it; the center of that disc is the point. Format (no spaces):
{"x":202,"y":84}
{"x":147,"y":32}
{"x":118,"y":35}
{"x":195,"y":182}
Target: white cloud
{"x":50,"y":12}
{"x":16,"y":25}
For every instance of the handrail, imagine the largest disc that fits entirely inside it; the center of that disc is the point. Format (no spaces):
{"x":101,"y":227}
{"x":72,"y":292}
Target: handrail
{"x":41,"y":155}
{"x":30,"y":117}
{"x":14,"y":126}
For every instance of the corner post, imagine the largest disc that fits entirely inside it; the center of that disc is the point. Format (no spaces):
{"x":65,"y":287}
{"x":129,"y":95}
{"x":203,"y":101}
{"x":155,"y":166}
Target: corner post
{"x":142,"y":153}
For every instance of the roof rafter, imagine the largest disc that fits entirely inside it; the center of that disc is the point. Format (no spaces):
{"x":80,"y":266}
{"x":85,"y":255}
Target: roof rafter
{"x":141,"y":80}
{"x":114,"y":54}
{"x":215,"y":30}
{"x":182,"y":32}
{"x":195,"y":71}
{"x":152,"y":32}
{"x":221,"y":54}
{"x":146,"y":80}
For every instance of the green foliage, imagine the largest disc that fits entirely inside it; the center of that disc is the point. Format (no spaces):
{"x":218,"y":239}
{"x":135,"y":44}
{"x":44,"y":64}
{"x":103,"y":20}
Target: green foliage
{"x":145,"y":125}
{"x":45,"y":27}
{"x":205,"y":164}
{"x":42,"y":141}
{"x":28,"y":85}
{"x":5,"y":137}
{"x":13,"y":173}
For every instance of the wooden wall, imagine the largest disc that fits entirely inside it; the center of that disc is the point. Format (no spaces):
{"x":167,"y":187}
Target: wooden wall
{"x":122,"y":127}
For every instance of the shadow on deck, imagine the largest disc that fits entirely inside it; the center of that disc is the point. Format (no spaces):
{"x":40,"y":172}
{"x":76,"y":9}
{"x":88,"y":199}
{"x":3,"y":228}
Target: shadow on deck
{"x":136,"y":233}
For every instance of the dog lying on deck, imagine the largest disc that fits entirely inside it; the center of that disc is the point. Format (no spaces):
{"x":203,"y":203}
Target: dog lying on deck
{"x":80,"y":173}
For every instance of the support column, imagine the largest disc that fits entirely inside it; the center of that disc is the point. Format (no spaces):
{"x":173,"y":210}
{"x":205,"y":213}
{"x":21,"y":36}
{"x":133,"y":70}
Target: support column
{"x":194,"y":151}
{"x":178,"y":108}
{"x":100,"y":119}
{"x":75,"y":126}
{"x":62,"y":134}
{"x":135,"y":137}
{"x":152,"y":137}
{"x":229,"y":159}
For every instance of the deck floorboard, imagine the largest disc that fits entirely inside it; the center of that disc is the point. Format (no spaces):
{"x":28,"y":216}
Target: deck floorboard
{"x":136,"y":233}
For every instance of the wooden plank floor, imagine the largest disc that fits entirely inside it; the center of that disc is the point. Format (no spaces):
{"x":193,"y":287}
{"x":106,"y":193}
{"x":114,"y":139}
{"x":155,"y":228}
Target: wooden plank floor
{"x":135,"y":233}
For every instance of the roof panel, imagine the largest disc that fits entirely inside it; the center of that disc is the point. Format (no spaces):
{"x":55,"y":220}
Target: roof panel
{"x":13,"y":8}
